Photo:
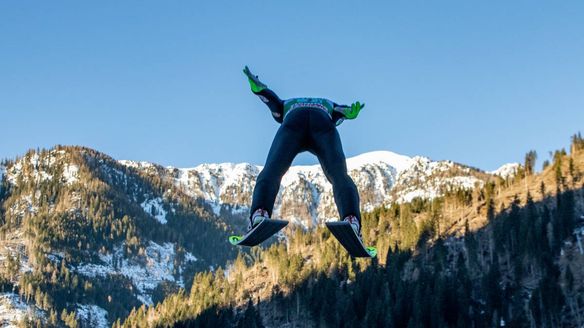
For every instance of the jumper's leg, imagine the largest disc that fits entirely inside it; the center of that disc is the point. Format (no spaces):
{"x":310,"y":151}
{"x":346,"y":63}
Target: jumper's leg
{"x":285,"y":147}
{"x":329,"y":150}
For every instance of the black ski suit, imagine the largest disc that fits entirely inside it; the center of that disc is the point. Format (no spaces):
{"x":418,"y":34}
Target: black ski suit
{"x":307,"y":124}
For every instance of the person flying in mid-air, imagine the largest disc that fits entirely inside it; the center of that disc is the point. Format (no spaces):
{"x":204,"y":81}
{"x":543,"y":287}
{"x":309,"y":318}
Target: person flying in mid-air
{"x":307,"y":124}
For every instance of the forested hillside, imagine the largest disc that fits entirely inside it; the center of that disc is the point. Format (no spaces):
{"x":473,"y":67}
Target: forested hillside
{"x":84,"y":238}
{"x":507,"y":253}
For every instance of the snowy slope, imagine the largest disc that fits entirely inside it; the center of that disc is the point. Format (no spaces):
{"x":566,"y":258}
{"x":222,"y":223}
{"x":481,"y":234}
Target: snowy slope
{"x":155,"y":209}
{"x":158,"y":264}
{"x":306,"y":196}
{"x":427,"y":179}
{"x":32,"y":166}
{"x":92,"y":316}
{"x":13,"y":310}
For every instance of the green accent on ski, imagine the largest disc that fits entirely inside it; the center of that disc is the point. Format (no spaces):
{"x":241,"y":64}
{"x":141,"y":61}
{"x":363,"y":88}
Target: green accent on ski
{"x":254,"y":82}
{"x":235,"y":239}
{"x":372,"y":251}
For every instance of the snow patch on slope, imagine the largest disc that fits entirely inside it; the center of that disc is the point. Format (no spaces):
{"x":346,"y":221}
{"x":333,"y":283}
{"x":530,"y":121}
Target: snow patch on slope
{"x":429,"y":179}
{"x":33,"y":166}
{"x":13,"y":310}
{"x":417,"y":193}
{"x":136,"y":165}
{"x":183,"y":177}
{"x":155,"y":209}
{"x":70,"y":173}
{"x":218,"y":178}
{"x":156,"y":266}
{"x":13,"y":247}
{"x":92,"y":315}
{"x":32,"y":160}
{"x":22,"y":206}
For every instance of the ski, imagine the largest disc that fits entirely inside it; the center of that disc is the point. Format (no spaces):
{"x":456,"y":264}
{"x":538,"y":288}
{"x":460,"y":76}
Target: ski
{"x":345,"y":234}
{"x":259,"y":234}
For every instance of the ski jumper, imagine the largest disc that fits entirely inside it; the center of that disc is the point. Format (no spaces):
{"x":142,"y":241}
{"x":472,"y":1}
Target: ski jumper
{"x":307,"y":124}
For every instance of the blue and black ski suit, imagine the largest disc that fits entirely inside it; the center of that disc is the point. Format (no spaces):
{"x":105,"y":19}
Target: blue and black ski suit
{"x":307,"y":124}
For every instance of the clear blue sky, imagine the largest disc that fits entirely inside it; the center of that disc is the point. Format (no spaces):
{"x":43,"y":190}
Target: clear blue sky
{"x":478,"y":82}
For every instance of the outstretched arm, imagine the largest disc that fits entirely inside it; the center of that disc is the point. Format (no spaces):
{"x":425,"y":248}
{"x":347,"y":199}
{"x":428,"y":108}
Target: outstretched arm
{"x":266,"y":95}
{"x":342,"y":112}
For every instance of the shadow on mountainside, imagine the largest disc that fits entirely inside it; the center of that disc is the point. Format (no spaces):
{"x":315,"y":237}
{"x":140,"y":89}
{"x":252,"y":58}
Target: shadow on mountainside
{"x":507,"y":273}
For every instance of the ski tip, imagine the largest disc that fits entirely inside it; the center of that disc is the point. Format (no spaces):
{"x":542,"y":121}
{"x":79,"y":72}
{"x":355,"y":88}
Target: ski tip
{"x":234,"y":240}
{"x":372,"y":251}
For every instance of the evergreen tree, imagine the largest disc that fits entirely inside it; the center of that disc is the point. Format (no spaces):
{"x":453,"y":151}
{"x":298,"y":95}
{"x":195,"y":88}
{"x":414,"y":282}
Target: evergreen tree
{"x":529,"y":163}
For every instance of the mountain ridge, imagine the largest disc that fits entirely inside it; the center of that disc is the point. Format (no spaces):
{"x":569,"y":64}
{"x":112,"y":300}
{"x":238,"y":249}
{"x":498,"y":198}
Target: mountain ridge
{"x":381,"y":177}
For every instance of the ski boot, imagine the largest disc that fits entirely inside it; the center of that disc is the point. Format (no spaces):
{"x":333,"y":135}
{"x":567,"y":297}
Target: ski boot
{"x":355,"y":224}
{"x":256,"y":218}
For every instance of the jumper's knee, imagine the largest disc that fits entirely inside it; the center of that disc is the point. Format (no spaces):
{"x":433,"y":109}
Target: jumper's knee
{"x":269,"y":176}
{"x":341,"y":179}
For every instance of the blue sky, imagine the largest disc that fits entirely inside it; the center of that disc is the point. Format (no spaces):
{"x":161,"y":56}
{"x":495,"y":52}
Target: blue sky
{"x":480,"y":83}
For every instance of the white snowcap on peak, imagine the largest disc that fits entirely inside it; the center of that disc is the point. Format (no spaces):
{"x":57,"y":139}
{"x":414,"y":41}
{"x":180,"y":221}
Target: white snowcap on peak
{"x":507,"y":170}
{"x":399,"y":162}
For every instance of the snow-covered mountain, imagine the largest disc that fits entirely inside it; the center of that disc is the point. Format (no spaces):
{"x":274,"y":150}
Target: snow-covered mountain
{"x":306,"y":196}
{"x":125,"y":228}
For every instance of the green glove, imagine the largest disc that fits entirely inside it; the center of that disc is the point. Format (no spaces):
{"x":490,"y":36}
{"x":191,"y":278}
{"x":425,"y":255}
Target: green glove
{"x":254,"y":82}
{"x":353,"y":112}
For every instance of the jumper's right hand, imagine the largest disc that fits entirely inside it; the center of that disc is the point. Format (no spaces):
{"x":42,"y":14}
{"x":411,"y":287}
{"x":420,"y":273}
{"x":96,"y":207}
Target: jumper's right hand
{"x":254,"y":82}
{"x":247,"y":72}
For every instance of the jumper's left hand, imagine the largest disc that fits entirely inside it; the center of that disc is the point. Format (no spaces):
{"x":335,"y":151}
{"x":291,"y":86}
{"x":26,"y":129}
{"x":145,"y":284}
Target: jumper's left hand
{"x":353,"y":112}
